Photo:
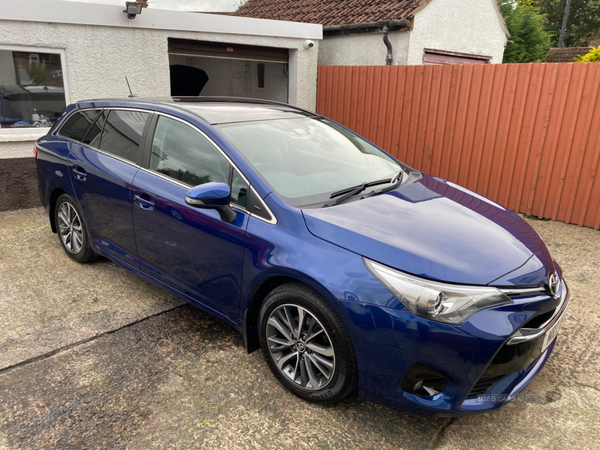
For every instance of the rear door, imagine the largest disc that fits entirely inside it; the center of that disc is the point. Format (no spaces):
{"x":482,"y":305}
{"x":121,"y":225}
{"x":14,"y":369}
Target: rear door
{"x":103,"y":168}
{"x":188,"y":248}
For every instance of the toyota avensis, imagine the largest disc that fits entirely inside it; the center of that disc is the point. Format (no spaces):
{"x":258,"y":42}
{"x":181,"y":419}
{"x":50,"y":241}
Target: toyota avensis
{"x":347,"y":267}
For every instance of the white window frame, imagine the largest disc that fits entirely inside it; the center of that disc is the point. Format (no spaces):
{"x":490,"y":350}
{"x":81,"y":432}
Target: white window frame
{"x":63,"y":65}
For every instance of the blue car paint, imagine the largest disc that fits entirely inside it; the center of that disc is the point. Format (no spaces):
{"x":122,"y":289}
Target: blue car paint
{"x":108,"y":214}
{"x":189,"y":248}
{"x":433,"y":230}
{"x":318,"y":248}
{"x":211,"y":194}
{"x":53,"y":168}
{"x":462,"y":352}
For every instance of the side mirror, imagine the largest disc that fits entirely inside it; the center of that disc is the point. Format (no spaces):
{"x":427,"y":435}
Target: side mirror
{"x":214,"y":195}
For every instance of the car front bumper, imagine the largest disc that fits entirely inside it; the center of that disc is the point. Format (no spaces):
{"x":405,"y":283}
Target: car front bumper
{"x":487,"y":360}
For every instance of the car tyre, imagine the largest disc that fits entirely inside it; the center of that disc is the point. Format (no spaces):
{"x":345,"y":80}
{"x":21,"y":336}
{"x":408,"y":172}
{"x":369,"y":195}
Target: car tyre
{"x":71,"y":230}
{"x":316,"y":360}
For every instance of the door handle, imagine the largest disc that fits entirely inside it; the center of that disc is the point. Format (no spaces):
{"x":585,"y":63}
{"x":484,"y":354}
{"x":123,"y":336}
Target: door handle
{"x":144,"y":203}
{"x":79,"y":173}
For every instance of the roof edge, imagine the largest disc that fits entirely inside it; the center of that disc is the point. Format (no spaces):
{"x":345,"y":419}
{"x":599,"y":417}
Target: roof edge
{"x":501,"y":19}
{"x":104,"y":15}
{"x":366,"y":27}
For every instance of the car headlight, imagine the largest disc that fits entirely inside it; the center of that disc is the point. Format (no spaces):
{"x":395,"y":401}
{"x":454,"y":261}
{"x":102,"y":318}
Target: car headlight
{"x":434,"y":300}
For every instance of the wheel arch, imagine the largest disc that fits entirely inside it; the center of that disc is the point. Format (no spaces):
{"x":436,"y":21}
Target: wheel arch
{"x":56,"y":193}
{"x":260,"y":292}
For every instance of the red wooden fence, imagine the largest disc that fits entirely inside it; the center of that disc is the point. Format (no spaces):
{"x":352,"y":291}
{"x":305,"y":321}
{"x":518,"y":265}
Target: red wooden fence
{"x":524,"y":135}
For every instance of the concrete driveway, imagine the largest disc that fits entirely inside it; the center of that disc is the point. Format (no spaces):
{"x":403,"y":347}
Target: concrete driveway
{"x":93,"y":357}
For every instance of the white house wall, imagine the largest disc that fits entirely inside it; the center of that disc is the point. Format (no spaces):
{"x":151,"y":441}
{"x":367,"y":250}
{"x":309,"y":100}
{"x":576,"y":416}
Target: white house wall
{"x":365,"y":49}
{"x":465,"y":26}
{"x":98,"y":58}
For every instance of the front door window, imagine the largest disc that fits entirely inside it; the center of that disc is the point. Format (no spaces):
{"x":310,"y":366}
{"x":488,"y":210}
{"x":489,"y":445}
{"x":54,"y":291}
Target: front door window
{"x":182,"y":153}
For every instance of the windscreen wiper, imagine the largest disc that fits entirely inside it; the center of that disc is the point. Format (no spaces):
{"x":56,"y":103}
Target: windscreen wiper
{"x":397,"y":181}
{"x":342,"y":196}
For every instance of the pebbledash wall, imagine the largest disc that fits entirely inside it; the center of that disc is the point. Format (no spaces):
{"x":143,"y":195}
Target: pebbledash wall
{"x":473,"y":27}
{"x":101,"y":47}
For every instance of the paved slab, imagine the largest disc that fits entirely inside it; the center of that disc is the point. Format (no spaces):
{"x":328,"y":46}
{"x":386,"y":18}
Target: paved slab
{"x":183,"y":380}
{"x":48,"y":301}
{"x":134,"y":369}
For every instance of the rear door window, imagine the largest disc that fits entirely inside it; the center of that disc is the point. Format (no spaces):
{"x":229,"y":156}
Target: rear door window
{"x":78,"y":124}
{"x":122,"y":134}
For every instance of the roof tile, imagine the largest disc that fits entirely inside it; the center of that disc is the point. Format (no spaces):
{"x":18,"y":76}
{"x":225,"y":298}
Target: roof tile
{"x":330,"y":12}
{"x":566,"y":54}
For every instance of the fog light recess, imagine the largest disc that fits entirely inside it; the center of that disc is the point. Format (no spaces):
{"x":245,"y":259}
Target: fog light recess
{"x":424,"y":381}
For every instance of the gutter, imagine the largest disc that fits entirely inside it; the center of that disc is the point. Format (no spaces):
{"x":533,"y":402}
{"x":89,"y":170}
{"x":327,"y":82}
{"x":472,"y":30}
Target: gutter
{"x":367,"y":27}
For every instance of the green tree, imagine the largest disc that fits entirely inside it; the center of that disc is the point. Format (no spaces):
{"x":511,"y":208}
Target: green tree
{"x":526,"y":27}
{"x":583,"y":24}
{"x":593,"y":56}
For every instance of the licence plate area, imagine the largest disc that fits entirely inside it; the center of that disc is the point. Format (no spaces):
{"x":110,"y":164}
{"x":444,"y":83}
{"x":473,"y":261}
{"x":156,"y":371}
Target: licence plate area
{"x":552,"y":333}
{"x":527,"y":345}
{"x":516,"y":357}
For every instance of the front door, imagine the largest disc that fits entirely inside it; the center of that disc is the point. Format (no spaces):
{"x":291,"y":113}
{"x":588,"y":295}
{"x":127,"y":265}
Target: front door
{"x":190,"y":249}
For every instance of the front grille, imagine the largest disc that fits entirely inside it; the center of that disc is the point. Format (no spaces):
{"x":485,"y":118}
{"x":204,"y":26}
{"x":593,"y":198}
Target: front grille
{"x":483,"y":386}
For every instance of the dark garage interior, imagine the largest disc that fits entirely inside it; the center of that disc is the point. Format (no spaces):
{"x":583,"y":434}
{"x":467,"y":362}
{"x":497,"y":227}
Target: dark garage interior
{"x":221,"y":69}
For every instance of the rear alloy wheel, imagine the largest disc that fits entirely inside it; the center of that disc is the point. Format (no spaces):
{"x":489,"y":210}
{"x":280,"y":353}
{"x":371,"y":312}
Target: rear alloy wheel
{"x":71,"y":230}
{"x":306,"y":344}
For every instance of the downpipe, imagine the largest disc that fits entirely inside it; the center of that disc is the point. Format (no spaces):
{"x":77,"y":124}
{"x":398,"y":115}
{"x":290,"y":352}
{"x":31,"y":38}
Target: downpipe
{"x":386,"y":30}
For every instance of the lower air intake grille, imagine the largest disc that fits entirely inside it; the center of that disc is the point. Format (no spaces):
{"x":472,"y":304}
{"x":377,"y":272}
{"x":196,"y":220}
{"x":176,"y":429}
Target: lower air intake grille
{"x":483,"y":386}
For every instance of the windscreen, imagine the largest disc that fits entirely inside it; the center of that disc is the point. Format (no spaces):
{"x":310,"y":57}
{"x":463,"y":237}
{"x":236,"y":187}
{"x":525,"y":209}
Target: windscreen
{"x":304,"y":160}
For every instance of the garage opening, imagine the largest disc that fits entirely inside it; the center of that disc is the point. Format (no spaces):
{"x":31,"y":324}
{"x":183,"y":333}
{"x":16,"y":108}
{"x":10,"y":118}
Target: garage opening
{"x":201,"y":68}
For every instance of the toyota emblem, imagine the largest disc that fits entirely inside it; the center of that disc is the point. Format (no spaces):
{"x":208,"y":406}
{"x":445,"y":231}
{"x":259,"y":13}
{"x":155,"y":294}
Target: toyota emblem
{"x":553,"y":283}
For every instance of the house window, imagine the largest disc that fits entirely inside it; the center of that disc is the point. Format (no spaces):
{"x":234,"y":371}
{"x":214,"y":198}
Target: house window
{"x":32,"y":87}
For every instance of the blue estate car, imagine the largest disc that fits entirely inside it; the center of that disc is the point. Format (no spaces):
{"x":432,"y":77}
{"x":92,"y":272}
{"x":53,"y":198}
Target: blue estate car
{"x":347,"y":267}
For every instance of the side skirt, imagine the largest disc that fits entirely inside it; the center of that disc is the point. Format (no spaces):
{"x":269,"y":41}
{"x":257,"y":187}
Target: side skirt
{"x":170,"y":289}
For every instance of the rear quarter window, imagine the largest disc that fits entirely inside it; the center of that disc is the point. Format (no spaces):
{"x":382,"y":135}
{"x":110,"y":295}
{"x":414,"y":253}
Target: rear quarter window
{"x":78,"y":124}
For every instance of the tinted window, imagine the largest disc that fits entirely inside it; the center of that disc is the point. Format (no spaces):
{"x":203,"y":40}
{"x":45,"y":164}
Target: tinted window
{"x":122,"y":133}
{"x":77,"y":125}
{"x":239,"y":190}
{"x":181,"y":152}
{"x":93,"y":136}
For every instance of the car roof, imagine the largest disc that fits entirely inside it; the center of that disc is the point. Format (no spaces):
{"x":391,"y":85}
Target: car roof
{"x":215,"y":110}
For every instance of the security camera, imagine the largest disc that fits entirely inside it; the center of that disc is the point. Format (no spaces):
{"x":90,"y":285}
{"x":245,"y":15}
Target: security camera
{"x":308,"y":44}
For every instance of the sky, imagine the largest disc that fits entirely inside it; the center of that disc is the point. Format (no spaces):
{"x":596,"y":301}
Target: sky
{"x":180,"y":5}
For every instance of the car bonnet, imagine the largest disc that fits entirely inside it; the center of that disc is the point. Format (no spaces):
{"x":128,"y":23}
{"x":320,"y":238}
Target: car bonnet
{"x":438,"y":230}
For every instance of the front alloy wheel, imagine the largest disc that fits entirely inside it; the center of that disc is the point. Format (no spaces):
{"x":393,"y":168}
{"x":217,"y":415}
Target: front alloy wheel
{"x":300,"y":347}
{"x":306,"y":344}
